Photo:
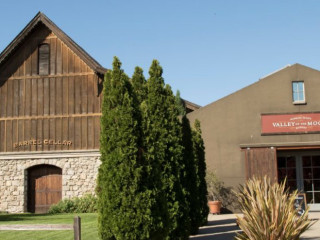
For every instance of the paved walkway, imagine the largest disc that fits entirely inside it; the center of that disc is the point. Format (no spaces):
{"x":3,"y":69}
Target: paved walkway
{"x":224,"y":227}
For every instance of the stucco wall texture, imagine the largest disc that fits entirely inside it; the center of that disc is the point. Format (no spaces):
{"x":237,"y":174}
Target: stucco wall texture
{"x":233,"y":123}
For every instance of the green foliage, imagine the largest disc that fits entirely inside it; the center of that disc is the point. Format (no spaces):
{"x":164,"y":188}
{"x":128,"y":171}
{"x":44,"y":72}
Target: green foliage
{"x":193,"y":180}
{"x":85,"y":204}
{"x":180,"y":104}
{"x":200,"y":168}
{"x":268,"y":212}
{"x":139,"y":85}
{"x":175,"y":174}
{"x":138,"y":82}
{"x":163,"y":152}
{"x":156,"y":215}
{"x":121,"y":197}
{"x":189,"y":179}
{"x":143,"y":182}
{"x":214,"y":187}
{"x":218,"y":192}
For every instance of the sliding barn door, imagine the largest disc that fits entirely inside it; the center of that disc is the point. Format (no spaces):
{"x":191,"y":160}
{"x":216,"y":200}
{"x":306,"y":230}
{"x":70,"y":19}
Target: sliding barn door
{"x":261,"y":162}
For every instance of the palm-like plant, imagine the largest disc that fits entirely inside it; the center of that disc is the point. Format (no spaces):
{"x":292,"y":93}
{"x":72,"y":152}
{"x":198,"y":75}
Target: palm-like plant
{"x":269,"y":213}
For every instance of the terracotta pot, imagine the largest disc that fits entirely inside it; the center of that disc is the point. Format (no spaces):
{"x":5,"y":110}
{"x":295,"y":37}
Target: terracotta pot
{"x":214,"y":207}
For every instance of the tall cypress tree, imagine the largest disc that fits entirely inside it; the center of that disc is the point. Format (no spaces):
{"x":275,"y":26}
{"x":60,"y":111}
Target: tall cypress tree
{"x":121,"y":200}
{"x":195,"y":169}
{"x":156,"y":212}
{"x":142,"y":183}
{"x":199,"y":158}
{"x":180,"y":104}
{"x":190,"y":178}
{"x":177,"y":191}
{"x":153,"y":145}
{"x":162,"y":135}
{"x":139,"y":85}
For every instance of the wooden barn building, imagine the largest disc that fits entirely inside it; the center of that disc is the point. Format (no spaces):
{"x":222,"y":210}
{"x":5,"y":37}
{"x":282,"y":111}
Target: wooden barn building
{"x":49,"y":118}
{"x":50,"y":109}
{"x":271,"y":127}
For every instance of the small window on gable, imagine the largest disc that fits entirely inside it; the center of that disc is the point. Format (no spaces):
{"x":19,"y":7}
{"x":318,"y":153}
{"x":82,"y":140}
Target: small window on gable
{"x":43,"y":59}
{"x":298,"y":94}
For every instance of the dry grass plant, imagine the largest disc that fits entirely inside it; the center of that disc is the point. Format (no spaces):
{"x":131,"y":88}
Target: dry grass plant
{"x":268,"y":212}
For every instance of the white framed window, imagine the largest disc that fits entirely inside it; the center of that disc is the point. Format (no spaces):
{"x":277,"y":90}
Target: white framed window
{"x":298,"y":94}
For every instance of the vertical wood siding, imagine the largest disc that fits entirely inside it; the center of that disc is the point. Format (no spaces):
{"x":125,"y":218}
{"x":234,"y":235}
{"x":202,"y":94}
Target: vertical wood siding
{"x":62,"y":106}
{"x":261,"y":162}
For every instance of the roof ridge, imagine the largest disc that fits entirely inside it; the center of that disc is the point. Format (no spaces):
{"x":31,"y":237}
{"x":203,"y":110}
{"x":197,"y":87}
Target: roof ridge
{"x":278,"y":70}
{"x":42,"y":18}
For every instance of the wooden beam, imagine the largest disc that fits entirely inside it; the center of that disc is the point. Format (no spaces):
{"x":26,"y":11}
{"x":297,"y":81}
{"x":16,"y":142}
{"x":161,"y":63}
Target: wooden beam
{"x":77,"y":228}
{"x":36,"y":227}
{"x":48,"y":76}
{"x":298,"y":148}
{"x":52,"y":116}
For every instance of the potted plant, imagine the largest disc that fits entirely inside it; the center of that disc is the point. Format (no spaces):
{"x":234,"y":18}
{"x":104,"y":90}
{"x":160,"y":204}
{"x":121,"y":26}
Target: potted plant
{"x":214,"y":187}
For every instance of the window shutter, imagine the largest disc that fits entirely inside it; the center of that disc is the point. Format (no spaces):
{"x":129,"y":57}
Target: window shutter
{"x":43,"y":61}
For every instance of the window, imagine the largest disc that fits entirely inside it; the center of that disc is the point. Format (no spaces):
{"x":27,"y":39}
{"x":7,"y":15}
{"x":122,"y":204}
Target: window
{"x":287,"y":171}
{"x":43,"y":59}
{"x":298,"y":92}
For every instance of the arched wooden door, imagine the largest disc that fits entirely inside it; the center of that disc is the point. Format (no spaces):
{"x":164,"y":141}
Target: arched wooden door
{"x":44,"y":187}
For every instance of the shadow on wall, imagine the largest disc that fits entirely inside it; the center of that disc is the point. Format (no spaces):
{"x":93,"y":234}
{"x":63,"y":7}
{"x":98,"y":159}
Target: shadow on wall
{"x":218,"y":192}
{"x":229,"y":200}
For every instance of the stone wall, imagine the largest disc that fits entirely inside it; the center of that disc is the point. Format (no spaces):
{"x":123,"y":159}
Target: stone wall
{"x":79,"y":173}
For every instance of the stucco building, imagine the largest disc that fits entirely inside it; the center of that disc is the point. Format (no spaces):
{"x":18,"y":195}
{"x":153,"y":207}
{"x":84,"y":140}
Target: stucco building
{"x":271,"y":127}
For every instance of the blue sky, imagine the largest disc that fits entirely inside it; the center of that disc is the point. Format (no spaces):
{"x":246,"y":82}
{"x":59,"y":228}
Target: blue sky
{"x":207,"y":48}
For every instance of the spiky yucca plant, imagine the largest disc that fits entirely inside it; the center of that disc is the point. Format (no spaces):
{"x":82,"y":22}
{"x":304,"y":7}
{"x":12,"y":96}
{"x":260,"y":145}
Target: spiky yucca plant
{"x":268,"y":212}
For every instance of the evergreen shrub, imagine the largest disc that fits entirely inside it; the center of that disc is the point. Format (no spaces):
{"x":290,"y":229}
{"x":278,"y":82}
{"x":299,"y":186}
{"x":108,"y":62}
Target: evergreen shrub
{"x":129,"y":200}
{"x":143,"y":182}
{"x":194,"y":175}
{"x":200,"y":168}
{"x":85,"y":204}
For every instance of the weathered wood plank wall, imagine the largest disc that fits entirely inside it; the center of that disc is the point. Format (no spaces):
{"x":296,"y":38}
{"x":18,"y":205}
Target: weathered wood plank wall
{"x":59,"y":111}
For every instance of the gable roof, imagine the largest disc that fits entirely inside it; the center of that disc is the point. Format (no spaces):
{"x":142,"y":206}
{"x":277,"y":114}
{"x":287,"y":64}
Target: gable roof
{"x":190,"y":106}
{"x":42,"y":18}
{"x":289,"y":67}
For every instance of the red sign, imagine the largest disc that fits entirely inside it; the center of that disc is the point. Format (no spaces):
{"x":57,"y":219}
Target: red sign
{"x":290,"y":123}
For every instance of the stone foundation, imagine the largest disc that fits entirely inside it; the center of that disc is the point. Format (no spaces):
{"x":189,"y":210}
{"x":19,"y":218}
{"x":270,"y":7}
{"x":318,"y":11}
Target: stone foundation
{"x":79,"y":174}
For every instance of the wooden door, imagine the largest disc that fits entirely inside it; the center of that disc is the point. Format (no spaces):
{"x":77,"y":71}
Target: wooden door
{"x":261,"y":162}
{"x":44,"y":187}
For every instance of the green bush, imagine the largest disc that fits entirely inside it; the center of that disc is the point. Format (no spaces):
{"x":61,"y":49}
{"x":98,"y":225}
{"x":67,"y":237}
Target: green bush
{"x":85,"y":204}
{"x":269,"y":213}
{"x":127,"y":198}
